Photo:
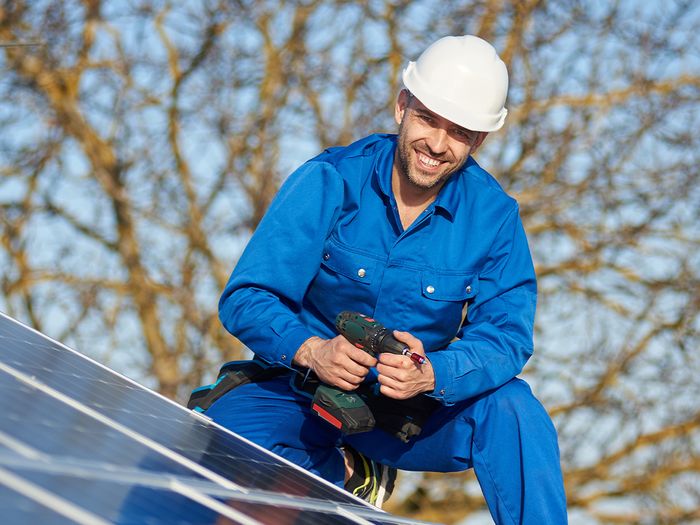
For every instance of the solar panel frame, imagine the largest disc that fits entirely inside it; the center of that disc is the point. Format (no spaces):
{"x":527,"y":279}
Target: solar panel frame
{"x":181,"y":454}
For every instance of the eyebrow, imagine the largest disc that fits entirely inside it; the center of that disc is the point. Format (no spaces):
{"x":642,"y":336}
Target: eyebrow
{"x":427,"y":112}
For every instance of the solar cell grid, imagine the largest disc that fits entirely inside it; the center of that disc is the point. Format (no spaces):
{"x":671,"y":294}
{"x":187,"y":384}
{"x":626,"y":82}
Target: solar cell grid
{"x":78,"y":442}
{"x":129,"y":404}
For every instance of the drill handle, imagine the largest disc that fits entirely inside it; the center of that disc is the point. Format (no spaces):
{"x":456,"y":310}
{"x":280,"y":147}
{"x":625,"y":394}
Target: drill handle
{"x":367,"y":334}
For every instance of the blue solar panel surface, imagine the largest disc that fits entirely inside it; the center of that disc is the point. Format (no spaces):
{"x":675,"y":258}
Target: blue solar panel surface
{"x":82,"y":444}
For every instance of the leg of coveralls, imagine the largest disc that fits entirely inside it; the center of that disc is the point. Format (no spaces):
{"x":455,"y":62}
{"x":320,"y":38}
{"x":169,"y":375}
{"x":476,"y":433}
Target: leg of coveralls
{"x":509,"y":439}
{"x":270,"y":414}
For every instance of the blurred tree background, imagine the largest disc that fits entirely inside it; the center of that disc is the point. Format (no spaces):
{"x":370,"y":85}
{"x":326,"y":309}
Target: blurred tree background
{"x":142,"y":141}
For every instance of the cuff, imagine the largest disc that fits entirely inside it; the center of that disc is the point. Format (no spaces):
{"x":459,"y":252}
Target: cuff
{"x":290,"y":343}
{"x":444,"y":385}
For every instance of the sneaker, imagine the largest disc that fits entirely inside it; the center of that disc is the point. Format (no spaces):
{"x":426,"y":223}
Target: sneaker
{"x":370,"y":481}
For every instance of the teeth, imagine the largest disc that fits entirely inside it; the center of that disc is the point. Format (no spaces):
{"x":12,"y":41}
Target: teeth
{"x":427,"y":160}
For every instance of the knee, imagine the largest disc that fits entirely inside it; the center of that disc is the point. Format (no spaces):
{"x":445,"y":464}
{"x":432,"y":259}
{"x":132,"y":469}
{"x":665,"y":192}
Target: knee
{"x":514,"y":397}
{"x":513,"y":404}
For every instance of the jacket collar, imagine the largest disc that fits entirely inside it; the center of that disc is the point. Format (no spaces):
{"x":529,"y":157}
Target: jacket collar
{"x":447,"y":199}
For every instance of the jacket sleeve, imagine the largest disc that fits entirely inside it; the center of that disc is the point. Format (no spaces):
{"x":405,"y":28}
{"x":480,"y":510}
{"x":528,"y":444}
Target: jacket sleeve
{"x":496,"y":337}
{"x":265,"y":291}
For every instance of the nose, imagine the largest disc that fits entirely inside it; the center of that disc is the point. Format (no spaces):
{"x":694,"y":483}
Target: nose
{"x":437,"y":140}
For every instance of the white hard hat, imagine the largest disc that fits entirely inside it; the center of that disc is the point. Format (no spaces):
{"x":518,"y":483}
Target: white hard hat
{"x":462,"y":79}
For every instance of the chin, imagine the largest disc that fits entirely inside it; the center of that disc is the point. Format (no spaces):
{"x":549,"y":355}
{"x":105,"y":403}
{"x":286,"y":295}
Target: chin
{"x":425,"y":181}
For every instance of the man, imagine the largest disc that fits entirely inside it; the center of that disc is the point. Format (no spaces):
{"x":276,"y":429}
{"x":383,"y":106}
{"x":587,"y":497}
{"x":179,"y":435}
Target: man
{"x":410,"y":230}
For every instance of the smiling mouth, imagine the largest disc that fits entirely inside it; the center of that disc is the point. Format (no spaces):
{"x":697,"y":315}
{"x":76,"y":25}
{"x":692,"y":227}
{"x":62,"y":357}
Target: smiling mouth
{"x":427,"y":162}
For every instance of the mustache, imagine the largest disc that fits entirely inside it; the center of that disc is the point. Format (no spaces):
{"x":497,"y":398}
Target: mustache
{"x":425,"y":150}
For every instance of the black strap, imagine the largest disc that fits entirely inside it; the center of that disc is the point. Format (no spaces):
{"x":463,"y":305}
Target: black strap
{"x":232,"y":375}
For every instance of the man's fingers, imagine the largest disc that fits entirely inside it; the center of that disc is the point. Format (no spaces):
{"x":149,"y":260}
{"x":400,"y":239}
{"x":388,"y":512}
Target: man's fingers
{"x":353,"y":368}
{"x":343,"y":347}
{"x":345,"y":385}
{"x":395,"y":360}
{"x":414,"y":344}
{"x":389,"y":381}
{"x":405,"y":337}
{"x":354,"y":379}
{"x":362,"y":357}
{"x":393,"y":393}
{"x":394,"y":371}
{"x":340,"y":378}
{"x":357,"y":362}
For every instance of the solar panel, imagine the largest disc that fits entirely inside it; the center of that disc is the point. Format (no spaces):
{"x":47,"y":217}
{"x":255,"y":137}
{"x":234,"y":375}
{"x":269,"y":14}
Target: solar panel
{"x":80,"y":443}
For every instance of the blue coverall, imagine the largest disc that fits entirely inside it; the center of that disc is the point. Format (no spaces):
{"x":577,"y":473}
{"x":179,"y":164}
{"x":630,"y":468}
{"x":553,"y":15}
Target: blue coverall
{"x":460,"y":279}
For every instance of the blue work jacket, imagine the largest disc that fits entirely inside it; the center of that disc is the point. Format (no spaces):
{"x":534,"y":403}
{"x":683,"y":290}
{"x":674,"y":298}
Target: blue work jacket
{"x":460,"y":278}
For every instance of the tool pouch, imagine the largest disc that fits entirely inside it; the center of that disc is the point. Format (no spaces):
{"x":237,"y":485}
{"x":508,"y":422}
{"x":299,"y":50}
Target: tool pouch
{"x":403,"y":419}
{"x":366,"y":408}
{"x":231,"y":375}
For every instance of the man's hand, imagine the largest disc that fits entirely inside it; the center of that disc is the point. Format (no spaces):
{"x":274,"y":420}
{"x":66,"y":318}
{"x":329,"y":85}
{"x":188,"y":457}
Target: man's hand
{"x":401,"y":378}
{"x":335,"y":361}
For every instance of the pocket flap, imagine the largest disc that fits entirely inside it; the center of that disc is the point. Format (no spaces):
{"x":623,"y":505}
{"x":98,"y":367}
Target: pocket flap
{"x":352,"y":265}
{"x":449,"y":287}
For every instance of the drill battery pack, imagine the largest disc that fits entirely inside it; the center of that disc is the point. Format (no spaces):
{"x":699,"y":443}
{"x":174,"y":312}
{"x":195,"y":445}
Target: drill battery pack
{"x":364,"y":409}
{"x":346,"y":411}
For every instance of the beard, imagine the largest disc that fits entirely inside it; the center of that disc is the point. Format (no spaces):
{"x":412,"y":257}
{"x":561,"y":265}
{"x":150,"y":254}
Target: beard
{"x":411,"y":170}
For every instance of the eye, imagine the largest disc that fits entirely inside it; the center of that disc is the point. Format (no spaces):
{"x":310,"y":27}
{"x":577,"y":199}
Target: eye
{"x":464,"y":134}
{"x":425,"y":118}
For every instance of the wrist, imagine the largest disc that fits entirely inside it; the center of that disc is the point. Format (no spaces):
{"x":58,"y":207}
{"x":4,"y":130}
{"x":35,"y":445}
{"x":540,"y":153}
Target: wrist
{"x":304,"y":356}
{"x":429,"y":379}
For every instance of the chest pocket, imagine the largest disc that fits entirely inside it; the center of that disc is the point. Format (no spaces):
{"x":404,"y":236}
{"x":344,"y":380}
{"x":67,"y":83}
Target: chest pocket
{"x":349,"y":264}
{"x":346,"y":280}
{"x":445,"y":298}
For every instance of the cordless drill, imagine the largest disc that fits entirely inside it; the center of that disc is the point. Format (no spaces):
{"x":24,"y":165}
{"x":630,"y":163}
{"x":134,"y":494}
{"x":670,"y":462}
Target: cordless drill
{"x":347,"y":411}
{"x":369,"y":335}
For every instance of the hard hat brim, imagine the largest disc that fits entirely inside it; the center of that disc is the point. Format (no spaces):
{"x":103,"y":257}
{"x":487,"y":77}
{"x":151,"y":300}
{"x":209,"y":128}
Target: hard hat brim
{"x":449,"y":109}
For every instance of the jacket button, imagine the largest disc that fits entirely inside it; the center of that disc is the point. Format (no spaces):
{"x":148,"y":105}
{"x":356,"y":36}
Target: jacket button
{"x":430,"y":289}
{"x":361,"y":272}
{"x":326,"y":256}
{"x":442,"y":392}
{"x":469,"y":289}
{"x":283,"y":357}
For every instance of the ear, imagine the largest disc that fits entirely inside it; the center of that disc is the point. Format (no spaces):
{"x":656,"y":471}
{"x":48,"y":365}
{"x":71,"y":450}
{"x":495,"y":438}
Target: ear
{"x":479,"y":140}
{"x":401,"y":105}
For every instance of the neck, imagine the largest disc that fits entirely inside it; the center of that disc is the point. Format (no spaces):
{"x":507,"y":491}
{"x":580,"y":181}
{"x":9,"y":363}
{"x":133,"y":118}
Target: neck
{"x":411,"y":200}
